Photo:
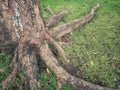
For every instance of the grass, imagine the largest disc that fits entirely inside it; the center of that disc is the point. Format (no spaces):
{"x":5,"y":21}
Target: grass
{"x":4,"y":61}
{"x":95,"y":47}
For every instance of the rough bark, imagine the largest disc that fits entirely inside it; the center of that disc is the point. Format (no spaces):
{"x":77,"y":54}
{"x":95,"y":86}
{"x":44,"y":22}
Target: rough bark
{"x":55,"y":18}
{"x":28,"y":62}
{"x":21,"y":22}
{"x":56,"y":46}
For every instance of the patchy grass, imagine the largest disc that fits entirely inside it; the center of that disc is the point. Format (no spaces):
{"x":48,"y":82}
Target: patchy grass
{"x":4,"y":62}
{"x":95,"y":47}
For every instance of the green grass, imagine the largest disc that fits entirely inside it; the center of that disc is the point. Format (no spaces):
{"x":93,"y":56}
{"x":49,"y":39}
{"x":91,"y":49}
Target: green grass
{"x":95,"y":47}
{"x":48,"y":80}
{"x":4,"y":62}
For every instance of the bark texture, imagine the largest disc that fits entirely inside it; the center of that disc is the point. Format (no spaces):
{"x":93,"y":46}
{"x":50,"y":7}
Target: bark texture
{"x":21,"y":23}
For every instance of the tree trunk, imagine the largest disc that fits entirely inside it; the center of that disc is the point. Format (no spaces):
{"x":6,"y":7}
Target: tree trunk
{"x":21,"y":23}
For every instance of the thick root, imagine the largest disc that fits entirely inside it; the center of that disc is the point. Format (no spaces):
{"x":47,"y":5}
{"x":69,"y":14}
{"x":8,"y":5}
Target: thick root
{"x":59,"y":85}
{"x":48,"y":9}
{"x":62,"y":75}
{"x":79,"y":83}
{"x":1,"y":70}
{"x":55,"y":18}
{"x":60,"y":51}
{"x":14,"y":60}
{"x":14,"y":68}
{"x":10,"y":77}
{"x":28,"y":63}
{"x":61,"y":30}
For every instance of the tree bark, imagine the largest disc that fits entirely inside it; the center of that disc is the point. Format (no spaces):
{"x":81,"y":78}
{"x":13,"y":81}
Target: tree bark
{"x":21,"y":23}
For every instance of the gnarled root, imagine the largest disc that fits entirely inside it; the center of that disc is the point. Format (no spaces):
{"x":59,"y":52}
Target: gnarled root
{"x":56,"y":46}
{"x":14,"y":67}
{"x":14,"y":60}
{"x":1,"y":70}
{"x":62,"y":75}
{"x":10,"y":77}
{"x":79,"y":83}
{"x":28,"y":64}
{"x":48,"y":9}
{"x":61,"y":30}
{"x":55,"y":18}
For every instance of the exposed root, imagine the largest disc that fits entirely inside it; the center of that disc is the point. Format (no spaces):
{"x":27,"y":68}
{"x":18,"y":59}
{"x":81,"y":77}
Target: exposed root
{"x":61,"y":30}
{"x":48,"y":9}
{"x":59,"y":85}
{"x":10,"y":77}
{"x":14,"y":68}
{"x":1,"y":70}
{"x":52,"y":63}
{"x":76,"y":82}
{"x":55,"y":18}
{"x":28,"y":64}
{"x":56,"y":46}
{"x":14,"y":60}
{"x":34,"y":28}
{"x":62,"y":75}
{"x":11,"y":64}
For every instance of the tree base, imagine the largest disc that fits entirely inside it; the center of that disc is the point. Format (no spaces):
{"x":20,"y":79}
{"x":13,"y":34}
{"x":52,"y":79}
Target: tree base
{"x":29,"y":46}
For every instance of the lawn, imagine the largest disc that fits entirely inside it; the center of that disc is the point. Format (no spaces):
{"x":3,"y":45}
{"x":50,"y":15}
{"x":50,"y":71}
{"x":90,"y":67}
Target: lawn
{"x":94,"y":48}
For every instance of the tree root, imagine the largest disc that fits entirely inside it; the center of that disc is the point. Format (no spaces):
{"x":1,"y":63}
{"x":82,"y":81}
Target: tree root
{"x":14,"y":68}
{"x":14,"y":59}
{"x":1,"y":70}
{"x":28,"y":63}
{"x":48,"y":9}
{"x":55,"y":18}
{"x":26,"y":56}
{"x":61,"y":30}
{"x":56,"y":46}
{"x":10,"y":77}
{"x":62,"y":75}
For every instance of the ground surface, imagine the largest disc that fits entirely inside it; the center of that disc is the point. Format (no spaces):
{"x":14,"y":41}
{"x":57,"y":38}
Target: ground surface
{"x":94,"y":49}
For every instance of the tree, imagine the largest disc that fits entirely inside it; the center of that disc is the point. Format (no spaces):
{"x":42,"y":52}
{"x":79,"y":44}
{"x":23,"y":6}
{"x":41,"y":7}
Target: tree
{"x":22,"y":24}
